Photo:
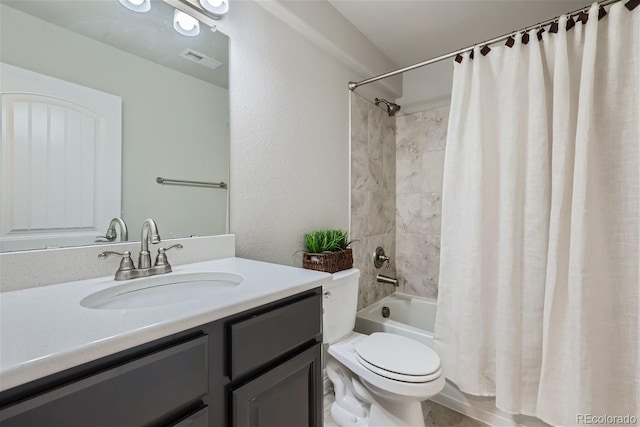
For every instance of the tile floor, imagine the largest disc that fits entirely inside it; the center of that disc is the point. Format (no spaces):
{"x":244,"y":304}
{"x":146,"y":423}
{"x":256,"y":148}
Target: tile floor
{"x":436,"y":416}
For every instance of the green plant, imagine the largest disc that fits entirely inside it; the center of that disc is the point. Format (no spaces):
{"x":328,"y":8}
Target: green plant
{"x":326,"y":241}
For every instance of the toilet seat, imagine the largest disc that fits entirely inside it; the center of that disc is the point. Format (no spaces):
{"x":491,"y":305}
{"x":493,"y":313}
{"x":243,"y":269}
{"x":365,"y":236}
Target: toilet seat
{"x":344,"y":351}
{"x":398,"y":357}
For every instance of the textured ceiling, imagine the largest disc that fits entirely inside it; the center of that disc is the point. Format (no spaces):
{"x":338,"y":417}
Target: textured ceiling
{"x":414,"y":31}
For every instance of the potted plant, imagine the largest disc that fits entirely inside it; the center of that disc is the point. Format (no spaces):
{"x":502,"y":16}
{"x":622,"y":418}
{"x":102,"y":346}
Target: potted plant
{"x":328,"y":251}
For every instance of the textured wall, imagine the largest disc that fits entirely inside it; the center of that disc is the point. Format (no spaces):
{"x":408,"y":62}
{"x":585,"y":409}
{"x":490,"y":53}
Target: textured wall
{"x":373,"y":196}
{"x":420,"y":162}
{"x":289,"y":137}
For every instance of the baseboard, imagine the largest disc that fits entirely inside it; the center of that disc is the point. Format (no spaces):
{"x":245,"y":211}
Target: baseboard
{"x":482,"y":409}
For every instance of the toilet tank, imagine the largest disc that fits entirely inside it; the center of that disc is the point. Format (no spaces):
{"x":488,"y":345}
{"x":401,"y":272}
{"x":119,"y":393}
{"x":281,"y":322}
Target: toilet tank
{"x":340,"y":303}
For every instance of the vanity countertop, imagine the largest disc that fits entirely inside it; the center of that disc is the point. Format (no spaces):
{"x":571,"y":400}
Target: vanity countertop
{"x":45,"y":330}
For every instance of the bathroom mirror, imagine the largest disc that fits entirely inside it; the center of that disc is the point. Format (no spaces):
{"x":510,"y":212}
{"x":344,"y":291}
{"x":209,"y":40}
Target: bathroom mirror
{"x":98,"y":101}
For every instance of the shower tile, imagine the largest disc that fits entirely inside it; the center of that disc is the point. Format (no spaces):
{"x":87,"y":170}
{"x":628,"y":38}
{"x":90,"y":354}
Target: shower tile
{"x":433,"y":259}
{"x":418,"y":213}
{"x":389,"y":156}
{"x":418,"y":253}
{"x":359,"y":118}
{"x":433,"y":166}
{"x":375,"y":132}
{"x":411,"y":127}
{"x":381,"y":213}
{"x":411,"y":253}
{"x":360,"y":172}
{"x":375,"y":182}
{"x":419,"y":285}
{"x":409,"y":166}
{"x":409,"y":179}
{"x":373,"y":192}
{"x":375,"y":148}
{"x":435,"y":128}
{"x":389,"y":245}
{"x":366,"y":296}
{"x":359,"y":214}
{"x":389,"y":212}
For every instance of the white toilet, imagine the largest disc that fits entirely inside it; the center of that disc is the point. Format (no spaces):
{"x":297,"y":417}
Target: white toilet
{"x":379,"y":379}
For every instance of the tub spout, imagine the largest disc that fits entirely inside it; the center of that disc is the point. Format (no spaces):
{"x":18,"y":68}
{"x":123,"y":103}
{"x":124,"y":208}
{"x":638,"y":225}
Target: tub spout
{"x":381,"y":278}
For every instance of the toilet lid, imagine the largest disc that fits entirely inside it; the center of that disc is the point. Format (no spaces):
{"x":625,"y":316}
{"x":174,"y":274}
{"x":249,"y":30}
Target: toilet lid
{"x":397,"y":354}
{"x":398,"y":377}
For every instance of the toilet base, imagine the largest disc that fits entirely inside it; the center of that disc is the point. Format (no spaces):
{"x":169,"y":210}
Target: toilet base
{"x":358,"y":403}
{"x":391,"y":412}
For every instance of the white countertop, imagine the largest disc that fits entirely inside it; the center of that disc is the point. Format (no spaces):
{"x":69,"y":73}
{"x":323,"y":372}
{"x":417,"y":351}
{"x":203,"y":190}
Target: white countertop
{"x":45,"y":330}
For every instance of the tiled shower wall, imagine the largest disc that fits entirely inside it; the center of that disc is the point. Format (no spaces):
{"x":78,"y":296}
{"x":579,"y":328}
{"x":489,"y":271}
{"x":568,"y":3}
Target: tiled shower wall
{"x":420,"y":140}
{"x":373,"y":194}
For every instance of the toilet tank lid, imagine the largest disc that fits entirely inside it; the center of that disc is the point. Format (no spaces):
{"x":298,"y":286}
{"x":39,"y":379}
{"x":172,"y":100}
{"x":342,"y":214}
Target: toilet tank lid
{"x":352,"y":273}
{"x":339,"y":277}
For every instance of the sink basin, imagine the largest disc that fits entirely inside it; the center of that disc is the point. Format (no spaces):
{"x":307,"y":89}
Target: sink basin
{"x":161,"y":290}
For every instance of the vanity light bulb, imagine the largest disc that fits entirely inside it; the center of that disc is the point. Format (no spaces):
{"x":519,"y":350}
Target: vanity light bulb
{"x":185,"y":24}
{"x":217,"y":7}
{"x":137,"y":5}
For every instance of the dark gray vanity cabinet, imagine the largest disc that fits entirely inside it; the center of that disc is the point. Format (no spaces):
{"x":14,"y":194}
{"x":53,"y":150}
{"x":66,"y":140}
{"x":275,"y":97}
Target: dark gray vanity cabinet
{"x":261,"y":367}
{"x":283,"y":396}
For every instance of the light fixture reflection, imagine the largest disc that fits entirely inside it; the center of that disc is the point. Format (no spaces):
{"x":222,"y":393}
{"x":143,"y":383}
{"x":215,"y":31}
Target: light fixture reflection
{"x":185,"y":24}
{"x":217,"y":7}
{"x":137,"y":5}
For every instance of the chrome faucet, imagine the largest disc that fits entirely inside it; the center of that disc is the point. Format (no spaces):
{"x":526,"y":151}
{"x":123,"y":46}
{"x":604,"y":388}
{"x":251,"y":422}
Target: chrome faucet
{"x":111,"y":233}
{"x":128,"y":270}
{"x":149,"y":234}
{"x":381,"y":278}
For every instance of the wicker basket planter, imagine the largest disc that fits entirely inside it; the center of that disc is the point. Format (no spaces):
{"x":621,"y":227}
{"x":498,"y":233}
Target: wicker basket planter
{"x":329,"y":262}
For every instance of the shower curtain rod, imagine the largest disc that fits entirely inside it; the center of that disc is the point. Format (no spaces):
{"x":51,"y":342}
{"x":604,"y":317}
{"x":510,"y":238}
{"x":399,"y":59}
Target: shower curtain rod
{"x":354,"y":85}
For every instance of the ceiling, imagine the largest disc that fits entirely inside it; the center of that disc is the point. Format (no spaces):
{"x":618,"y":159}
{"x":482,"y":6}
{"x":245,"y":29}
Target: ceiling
{"x":412,"y":31}
{"x":148,"y":35}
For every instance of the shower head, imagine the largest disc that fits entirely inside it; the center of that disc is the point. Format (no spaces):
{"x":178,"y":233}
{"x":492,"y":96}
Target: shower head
{"x":392,"y":108}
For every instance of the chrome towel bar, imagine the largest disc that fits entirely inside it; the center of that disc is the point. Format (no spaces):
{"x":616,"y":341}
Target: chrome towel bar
{"x":168,"y":181}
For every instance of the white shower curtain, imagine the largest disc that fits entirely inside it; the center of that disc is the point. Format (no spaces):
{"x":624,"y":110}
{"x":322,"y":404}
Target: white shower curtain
{"x":539,"y":278}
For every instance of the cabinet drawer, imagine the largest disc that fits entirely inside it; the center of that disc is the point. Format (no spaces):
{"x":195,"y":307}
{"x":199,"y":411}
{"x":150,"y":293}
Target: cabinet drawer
{"x":131,"y":394}
{"x":265,"y":337}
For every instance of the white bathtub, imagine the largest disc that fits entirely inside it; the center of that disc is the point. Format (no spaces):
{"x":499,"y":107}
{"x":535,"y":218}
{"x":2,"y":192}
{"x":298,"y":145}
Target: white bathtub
{"x":409,"y":315}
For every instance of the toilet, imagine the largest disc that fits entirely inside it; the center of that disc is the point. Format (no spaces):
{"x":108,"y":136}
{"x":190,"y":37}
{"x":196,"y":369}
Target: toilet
{"x":378,"y":379}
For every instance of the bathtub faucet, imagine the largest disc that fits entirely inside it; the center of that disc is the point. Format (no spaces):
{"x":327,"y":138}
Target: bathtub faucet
{"x":386,"y":279}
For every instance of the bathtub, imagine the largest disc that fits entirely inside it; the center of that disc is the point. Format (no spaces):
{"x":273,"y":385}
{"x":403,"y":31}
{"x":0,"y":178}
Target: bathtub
{"x":409,"y":315}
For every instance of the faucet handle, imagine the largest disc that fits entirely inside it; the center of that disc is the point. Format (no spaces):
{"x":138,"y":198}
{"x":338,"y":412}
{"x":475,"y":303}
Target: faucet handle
{"x":125,"y":264}
{"x":380,"y":258}
{"x":161,"y":259}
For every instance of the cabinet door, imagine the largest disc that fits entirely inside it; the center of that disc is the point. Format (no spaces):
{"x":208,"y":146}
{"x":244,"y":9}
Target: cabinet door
{"x":288,"y":395}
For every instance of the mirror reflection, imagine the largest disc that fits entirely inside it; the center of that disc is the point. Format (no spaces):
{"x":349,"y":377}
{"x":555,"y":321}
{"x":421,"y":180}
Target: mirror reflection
{"x":98,"y":102}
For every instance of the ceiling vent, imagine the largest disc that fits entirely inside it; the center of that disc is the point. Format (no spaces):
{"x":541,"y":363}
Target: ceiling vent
{"x":200,"y":58}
